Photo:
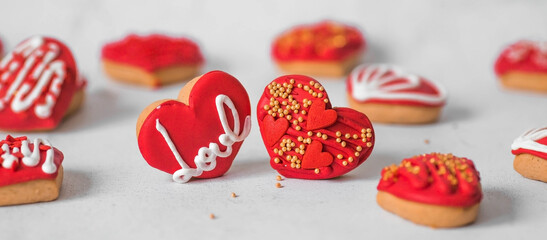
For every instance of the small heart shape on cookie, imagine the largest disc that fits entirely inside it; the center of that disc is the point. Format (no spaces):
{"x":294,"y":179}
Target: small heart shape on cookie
{"x":198,"y":134}
{"x":276,"y":129}
{"x":307,"y":138}
{"x":319,"y":117}
{"x":315,"y":157}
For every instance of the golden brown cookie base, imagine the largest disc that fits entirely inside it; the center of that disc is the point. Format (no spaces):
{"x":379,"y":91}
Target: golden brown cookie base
{"x":536,"y":82}
{"x":42,"y":190}
{"x":135,"y":75}
{"x":393,"y":113}
{"x":320,"y":68}
{"x":427,"y":214}
{"x":530,"y":166}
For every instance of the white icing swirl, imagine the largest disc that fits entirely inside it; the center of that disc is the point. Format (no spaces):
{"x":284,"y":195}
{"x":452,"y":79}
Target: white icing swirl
{"x":205,"y":159}
{"x":30,"y":158}
{"x":45,"y":72}
{"x":377,"y":82}
{"x":528,"y":140}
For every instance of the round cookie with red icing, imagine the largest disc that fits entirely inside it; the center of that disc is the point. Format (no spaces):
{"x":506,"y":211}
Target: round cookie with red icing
{"x":324,"y":49}
{"x":530,"y":150}
{"x":305,"y":136}
{"x":152,"y":60}
{"x":199,"y":133}
{"x":523,"y":65}
{"x":437,"y":190}
{"x":388,"y":94}
{"x":39,"y":86}
{"x":30,"y":171}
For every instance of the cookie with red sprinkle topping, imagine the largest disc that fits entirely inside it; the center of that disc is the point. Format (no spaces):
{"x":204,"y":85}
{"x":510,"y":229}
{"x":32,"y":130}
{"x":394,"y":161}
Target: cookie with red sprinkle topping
{"x":324,"y":49}
{"x":437,"y":190}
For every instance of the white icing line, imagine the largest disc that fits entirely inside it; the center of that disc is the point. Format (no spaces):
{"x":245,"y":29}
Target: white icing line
{"x":30,"y":158}
{"x":528,"y":140}
{"x":369,"y":82}
{"x":205,"y":159}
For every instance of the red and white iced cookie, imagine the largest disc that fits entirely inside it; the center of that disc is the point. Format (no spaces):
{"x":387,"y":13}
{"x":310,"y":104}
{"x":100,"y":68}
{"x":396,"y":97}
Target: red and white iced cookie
{"x":152,"y":60}
{"x":530,"y":150}
{"x":327,"y":48}
{"x":39,"y":85}
{"x":305,"y":136}
{"x":30,"y":171}
{"x":523,"y":65}
{"x":388,"y":94}
{"x":199,"y":133}
{"x":437,"y":190}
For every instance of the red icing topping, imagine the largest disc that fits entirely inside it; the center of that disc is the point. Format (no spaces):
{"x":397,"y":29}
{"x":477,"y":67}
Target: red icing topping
{"x":306,"y":137}
{"x":195,"y":125}
{"x":543,"y":155}
{"x":524,"y":56}
{"x":19,"y":172}
{"x":153,"y":52}
{"x":1,"y":49}
{"x":323,"y":41}
{"x":439,"y":179}
{"x":423,"y":87}
{"x":49,"y":62}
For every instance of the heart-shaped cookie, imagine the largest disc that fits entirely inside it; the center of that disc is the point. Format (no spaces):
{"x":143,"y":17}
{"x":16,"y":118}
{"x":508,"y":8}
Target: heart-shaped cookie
{"x":200,"y":133}
{"x":305,"y":136}
{"x":39,"y":85}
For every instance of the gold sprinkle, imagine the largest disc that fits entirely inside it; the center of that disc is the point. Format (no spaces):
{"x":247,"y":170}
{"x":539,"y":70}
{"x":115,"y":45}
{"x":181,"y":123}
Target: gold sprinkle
{"x":310,"y":133}
{"x":347,"y":135}
{"x":343,"y":143}
{"x":350,"y":159}
{"x":324,"y":136}
{"x":300,"y":119}
{"x":321,"y":88}
{"x":357,"y":154}
{"x":318,"y":134}
{"x":326,"y":100}
{"x":319,"y":95}
{"x":359,"y":148}
{"x":338,"y":139}
{"x":278,"y":185}
{"x":293,"y":165}
{"x":369,"y":144}
{"x":345,"y":163}
{"x":306,"y":88}
{"x":317,"y":171}
{"x":276,"y":160}
{"x":278,"y":178}
{"x":212,"y":216}
{"x":338,"y":133}
{"x":298,"y":128}
{"x":266,"y":107}
{"x":299,"y":85}
{"x":339,"y":156}
{"x":369,"y":135}
{"x":234,"y":195}
{"x":369,"y":130}
{"x":312,"y":83}
{"x":355,"y":136}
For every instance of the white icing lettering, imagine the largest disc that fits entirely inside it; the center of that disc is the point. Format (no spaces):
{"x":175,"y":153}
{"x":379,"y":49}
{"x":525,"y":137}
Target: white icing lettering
{"x":205,"y":159}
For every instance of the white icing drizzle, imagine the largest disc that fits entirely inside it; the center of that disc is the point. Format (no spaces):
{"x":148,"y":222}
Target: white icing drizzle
{"x":374,"y":82}
{"x":528,"y":140}
{"x":30,"y":158}
{"x":205,"y":159}
{"x":46,"y":72}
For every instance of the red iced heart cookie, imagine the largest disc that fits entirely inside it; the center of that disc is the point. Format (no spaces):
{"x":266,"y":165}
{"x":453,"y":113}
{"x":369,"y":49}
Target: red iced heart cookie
{"x":305,"y":136}
{"x":39,"y":85}
{"x":200,"y":133}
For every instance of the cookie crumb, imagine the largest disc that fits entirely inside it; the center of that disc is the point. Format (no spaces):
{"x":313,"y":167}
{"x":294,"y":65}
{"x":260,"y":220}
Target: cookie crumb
{"x":278,"y":185}
{"x":234,"y":195}
{"x":212,"y":216}
{"x":279,"y":178}
{"x":426,"y":141}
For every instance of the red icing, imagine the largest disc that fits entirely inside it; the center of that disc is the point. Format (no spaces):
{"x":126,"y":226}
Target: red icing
{"x":323,"y":41}
{"x":289,"y":97}
{"x":13,"y":64}
{"x":1,"y":49}
{"x":153,"y":52}
{"x":425,"y":87}
{"x":195,"y":125}
{"x":439,"y":179}
{"x":20,"y":172}
{"x":543,"y":155}
{"x":524,"y":56}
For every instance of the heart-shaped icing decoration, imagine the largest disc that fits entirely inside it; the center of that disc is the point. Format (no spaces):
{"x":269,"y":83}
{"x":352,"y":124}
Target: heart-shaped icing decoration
{"x":38,"y":80}
{"x":198,"y":134}
{"x":306,"y":137}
